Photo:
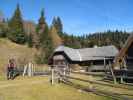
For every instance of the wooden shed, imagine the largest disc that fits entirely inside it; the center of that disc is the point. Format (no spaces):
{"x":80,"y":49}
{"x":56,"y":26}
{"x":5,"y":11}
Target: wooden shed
{"x":96,"y":57}
{"x":123,"y":63}
{"x":124,"y":59}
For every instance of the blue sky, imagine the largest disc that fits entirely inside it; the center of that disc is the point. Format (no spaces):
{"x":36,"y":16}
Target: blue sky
{"x":78,"y":16}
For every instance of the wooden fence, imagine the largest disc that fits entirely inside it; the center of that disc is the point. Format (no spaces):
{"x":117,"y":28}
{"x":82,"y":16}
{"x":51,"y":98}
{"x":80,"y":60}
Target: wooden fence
{"x":113,"y":95}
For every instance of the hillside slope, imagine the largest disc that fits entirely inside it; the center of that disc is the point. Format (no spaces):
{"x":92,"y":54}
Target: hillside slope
{"x":9,"y":49}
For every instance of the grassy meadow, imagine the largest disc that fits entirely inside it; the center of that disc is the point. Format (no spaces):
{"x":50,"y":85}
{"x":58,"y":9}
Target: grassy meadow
{"x":39,"y":88}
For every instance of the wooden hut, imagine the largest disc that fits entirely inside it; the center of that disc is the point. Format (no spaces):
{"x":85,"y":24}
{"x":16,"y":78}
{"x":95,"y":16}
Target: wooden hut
{"x":124,"y":59}
{"x":123,"y":63}
{"x":95,"y":58}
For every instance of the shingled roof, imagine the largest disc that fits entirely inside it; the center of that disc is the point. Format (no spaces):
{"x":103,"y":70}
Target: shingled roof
{"x":86,"y":54}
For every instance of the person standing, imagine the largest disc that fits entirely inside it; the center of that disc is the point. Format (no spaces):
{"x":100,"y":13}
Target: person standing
{"x":10,"y":69}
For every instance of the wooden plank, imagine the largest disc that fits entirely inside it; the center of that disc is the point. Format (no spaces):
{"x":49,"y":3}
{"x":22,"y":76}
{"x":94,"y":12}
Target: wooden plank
{"x":90,"y":73}
{"x":113,"y":75}
{"x":103,"y":83}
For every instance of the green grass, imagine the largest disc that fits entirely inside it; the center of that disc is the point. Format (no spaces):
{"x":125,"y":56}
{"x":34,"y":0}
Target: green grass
{"x":125,"y":92}
{"x":39,"y":88}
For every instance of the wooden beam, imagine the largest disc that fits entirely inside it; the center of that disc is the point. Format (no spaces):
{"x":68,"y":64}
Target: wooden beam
{"x":52,"y":76}
{"x":112,"y":72}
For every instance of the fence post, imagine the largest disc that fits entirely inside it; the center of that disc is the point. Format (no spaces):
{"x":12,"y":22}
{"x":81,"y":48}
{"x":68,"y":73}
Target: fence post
{"x":113,"y":75}
{"x":122,"y":79}
{"x":91,"y":84}
{"x":105,"y":69}
{"x":29,"y":69}
{"x":122,"y":76}
{"x":52,"y":78}
{"x":64,"y":73}
{"x":25,"y":68}
{"x":32,"y":69}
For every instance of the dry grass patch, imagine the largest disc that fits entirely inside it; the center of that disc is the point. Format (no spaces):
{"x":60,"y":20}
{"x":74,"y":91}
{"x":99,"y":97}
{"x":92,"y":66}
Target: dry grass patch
{"x":9,"y":49}
{"x":39,"y":88}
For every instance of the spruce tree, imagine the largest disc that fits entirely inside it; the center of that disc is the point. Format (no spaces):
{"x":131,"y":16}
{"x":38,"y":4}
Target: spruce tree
{"x":3,"y":28}
{"x":41,"y":28}
{"x":60,"y":25}
{"x":1,"y":16}
{"x":44,"y":43}
{"x":57,"y":23}
{"x":16,"y":33}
